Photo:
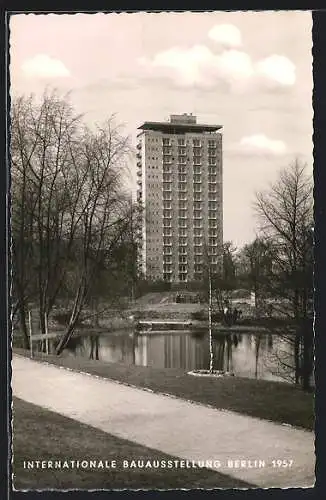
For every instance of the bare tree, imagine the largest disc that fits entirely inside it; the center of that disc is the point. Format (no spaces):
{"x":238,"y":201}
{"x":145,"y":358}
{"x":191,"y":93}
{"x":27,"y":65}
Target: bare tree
{"x":285,"y":213}
{"x":69,"y":208}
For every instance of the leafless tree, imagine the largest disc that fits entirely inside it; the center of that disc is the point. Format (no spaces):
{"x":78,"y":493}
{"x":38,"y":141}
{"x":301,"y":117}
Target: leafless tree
{"x":70,"y":210}
{"x":285,"y":213}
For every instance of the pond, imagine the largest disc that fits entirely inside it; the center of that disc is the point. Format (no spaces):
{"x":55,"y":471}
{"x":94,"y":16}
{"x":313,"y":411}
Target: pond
{"x":252,"y":355}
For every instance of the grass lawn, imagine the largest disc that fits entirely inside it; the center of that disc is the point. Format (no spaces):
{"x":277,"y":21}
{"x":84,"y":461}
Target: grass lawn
{"x":40,"y":434}
{"x":276,"y":401}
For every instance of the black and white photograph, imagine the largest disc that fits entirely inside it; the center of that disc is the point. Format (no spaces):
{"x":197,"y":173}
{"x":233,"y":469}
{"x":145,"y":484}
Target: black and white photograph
{"x":162,"y":250}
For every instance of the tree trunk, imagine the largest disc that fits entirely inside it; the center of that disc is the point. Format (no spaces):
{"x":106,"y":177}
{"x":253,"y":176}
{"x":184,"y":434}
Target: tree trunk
{"x":23,"y":325}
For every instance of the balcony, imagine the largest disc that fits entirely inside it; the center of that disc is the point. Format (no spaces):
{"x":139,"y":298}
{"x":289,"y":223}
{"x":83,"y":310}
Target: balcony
{"x":139,"y":182}
{"x":139,"y":173}
{"x":138,"y":164}
{"x":138,"y":145}
{"x":167,"y":216}
{"x":167,"y":251}
{"x":167,"y":188}
{"x":138,"y":155}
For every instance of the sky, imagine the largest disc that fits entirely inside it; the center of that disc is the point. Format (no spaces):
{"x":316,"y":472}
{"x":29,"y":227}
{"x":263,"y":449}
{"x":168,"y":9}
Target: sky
{"x":250,"y":72}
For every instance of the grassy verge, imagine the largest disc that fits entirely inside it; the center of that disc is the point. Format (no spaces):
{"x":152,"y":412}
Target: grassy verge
{"x":40,"y":434}
{"x":279,"y":402}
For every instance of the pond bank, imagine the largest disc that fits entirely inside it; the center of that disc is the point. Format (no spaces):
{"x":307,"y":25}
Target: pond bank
{"x":275,"y":401}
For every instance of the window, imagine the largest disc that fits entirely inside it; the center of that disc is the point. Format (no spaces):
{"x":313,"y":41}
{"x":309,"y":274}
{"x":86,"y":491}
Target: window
{"x":167,"y":159}
{"x":182,"y":177}
{"x":167,"y":214}
{"x":198,"y":259}
{"x":211,"y":160}
{"x":182,"y":240}
{"x":183,"y":196}
{"x":197,"y":214}
{"x":212,"y":170}
{"x":166,"y":169}
{"x":183,"y":213}
{"x":211,"y":178}
{"x":182,"y":277}
{"x":182,"y":268}
{"x":181,"y":169}
{"x":198,"y":268}
{"x":182,"y":259}
{"x":182,"y":186}
{"x":197,"y":188}
{"x":166,"y":141}
{"x":167,"y":178}
{"x":182,"y":250}
{"x":166,"y":223}
{"x":197,"y":178}
{"x":197,"y":196}
{"x":212,"y":205}
{"x":197,"y":169}
{"x":167,"y":186}
{"x":182,"y":223}
{"x":181,"y":142}
{"x":182,"y":160}
{"x":196,"y":143}
{"x":197,"y":205}
{"x":182,"y":231}
{"x":167,"y":196}
{"x":197,"y":160}
{"x":181,"y":151}
{"x":211,"y":143}
{"x":182,"y":204}
{"x":197,"y":240}
{"x":166,"y":204}
{"x":167,"y":240}
{"x":197,"y":232}
{"x":212,"y":241}
{"x":197,"y":223}
{"x":167,"y":150}
{"x":212,"y":214}
{"x":168,"y":260}
{"x":167,"y":277}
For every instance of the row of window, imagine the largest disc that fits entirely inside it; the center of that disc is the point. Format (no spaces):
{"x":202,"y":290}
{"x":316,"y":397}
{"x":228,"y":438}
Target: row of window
{"x":166,"y":141}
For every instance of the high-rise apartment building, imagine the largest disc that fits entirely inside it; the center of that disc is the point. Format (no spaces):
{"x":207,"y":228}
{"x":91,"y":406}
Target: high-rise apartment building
{"x":180,"y":187}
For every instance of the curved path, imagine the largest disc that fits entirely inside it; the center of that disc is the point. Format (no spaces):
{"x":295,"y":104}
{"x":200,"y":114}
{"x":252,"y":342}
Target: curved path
{"x":174,"y":426}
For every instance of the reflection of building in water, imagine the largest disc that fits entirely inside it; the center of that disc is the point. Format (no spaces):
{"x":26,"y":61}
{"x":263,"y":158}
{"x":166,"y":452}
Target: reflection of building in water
{"x":171,"y":351}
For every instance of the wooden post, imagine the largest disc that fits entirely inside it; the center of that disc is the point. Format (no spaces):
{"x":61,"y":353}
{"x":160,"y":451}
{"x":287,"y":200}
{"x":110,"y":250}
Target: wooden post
{"x":30,"y":332}
{"x":46,"y":333}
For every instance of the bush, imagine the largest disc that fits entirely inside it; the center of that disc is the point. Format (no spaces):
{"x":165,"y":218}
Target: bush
{"x":199,"y":315}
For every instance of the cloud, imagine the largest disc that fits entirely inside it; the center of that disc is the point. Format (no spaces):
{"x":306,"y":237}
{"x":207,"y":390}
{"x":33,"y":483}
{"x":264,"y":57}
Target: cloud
{"x":277,"y":68}
{"x":200,"y":66}
{"x":227,"y":35}
{"x":44,"y":66}
{"x":261,"y":144}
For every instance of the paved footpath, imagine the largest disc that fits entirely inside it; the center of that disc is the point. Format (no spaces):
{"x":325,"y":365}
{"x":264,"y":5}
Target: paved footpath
{"x":174,"y":426}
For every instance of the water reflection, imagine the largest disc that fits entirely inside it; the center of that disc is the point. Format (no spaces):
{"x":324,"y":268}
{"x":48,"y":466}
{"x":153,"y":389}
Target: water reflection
{"x":246,"y":355}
